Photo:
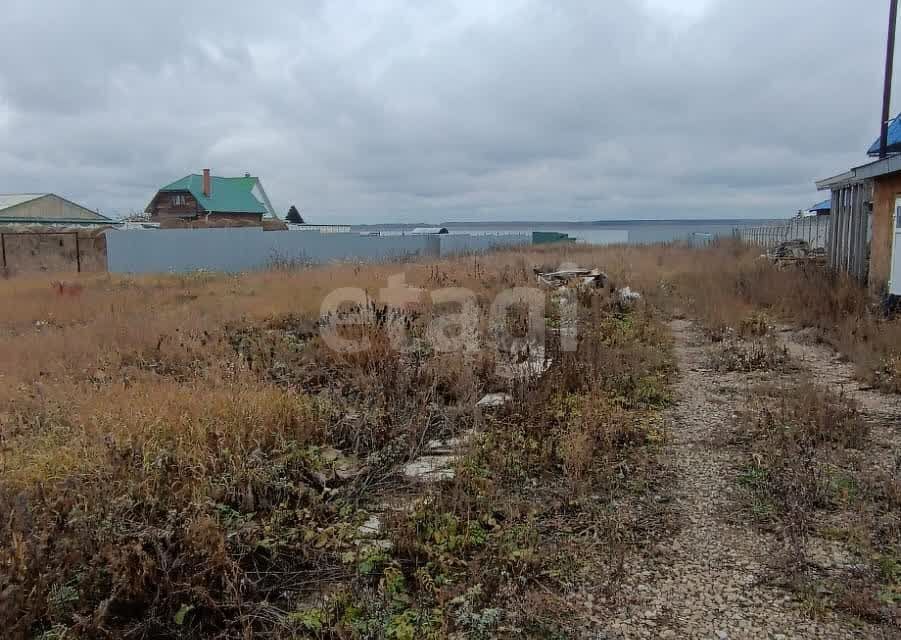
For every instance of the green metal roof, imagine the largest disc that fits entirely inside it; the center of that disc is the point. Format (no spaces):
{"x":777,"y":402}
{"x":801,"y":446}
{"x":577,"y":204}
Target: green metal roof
{"x":229,"y":195}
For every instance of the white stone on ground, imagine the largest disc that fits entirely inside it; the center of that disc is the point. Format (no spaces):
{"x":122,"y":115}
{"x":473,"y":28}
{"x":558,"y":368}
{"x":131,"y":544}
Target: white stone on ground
{"x":431,"y":468}
{"x":372,"y":527}
{"x":493,"y":400}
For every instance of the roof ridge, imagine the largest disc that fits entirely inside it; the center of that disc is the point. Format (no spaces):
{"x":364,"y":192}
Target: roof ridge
{"x":234,"y":194}
{"x":212,"y":175}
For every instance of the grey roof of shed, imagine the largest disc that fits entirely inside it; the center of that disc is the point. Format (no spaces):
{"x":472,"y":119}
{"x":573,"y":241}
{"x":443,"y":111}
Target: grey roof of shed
{"x":9,"y":201}
{"x":884,"y":167}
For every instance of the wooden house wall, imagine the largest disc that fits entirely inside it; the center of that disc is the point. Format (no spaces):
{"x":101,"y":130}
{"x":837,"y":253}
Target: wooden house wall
{"x":164,"y":206}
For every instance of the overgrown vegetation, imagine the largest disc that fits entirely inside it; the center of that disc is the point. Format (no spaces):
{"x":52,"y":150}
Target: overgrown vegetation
{"x":810,"y":480}
{"x":736,"y":294}
{"x":183,"y":456}
{"x":747,"y":356}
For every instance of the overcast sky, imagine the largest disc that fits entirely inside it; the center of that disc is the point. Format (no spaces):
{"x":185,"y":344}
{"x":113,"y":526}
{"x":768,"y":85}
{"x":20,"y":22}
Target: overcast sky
{"x":381,"y":110}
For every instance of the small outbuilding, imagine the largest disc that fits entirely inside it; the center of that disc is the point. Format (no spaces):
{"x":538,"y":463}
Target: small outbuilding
{"x":865,"y":227}
{"x":46,"y":210}
{"x":864,"y":236}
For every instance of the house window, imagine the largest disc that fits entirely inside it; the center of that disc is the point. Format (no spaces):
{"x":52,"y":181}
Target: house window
{"x":179,"y":200}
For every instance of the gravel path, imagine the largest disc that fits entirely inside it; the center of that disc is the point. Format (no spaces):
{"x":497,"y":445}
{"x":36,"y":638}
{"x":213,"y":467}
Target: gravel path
{"x":706,"y":582}
{"x":829,"y":369}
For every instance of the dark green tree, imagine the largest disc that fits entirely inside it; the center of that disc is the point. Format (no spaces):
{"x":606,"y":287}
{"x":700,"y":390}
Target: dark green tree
{"x":294,"y":216}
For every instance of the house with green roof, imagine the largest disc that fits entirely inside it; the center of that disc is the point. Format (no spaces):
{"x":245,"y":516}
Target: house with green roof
{"x":240,"y":201}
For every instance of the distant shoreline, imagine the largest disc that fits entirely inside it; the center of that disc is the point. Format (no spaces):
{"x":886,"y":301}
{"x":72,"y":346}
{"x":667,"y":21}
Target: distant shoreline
{"x":571,"y":224}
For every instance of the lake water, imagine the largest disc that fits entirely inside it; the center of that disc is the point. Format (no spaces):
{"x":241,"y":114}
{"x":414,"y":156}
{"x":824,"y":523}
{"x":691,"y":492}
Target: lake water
{"x":607,"y":232}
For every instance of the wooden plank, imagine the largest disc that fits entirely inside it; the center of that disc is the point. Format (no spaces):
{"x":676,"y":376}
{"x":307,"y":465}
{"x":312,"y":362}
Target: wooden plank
{"x":849,"y":236}
{"x":858,"y":216}
{"x":853,"y":256}
{"x":835,"y":228}
{"x":863,"y":240}
{"x":830,"y":242}
{"x":77,"y":253}
{"x":830,"y":236}
{"x":846,"y":230}
{"x":852,"y":213}
{"x":860,"y":247}
{"x":859,"y":237}
{"x":840,"y":230}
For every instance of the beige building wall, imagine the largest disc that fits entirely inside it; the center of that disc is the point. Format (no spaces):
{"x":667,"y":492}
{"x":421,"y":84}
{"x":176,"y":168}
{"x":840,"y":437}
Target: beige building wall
{"x":885,"y":190}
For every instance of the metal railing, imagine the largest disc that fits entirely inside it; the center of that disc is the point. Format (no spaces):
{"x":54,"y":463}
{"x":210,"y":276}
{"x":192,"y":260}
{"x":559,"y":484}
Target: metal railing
{"x":814,"y":230}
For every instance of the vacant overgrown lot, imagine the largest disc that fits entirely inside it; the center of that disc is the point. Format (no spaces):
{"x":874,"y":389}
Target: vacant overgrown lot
{"x":187,"y":457}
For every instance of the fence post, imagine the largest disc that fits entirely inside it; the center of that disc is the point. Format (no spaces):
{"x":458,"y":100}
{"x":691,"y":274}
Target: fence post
{"x":3,"y":248}
{"x":77,"y":254}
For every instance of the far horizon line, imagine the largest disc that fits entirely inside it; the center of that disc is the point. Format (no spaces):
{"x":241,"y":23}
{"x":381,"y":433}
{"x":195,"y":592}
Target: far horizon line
{"x":552,"y":222}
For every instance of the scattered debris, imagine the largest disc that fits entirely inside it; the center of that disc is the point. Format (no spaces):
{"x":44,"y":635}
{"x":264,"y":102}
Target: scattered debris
{"x":437,"y":447}
{"x":792,"y":249}
{"x":627,"y":295}
{"x":586,"y":278}
{"x":529,"y":362}
{"x":494,"y":400}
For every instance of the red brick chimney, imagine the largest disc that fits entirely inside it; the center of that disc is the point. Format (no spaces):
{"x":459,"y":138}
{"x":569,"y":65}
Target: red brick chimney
{"x":207,"y":184}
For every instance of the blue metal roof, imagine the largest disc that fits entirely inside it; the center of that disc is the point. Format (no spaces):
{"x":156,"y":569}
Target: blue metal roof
{"x":894,"y":139}
{"x":825,"y":205}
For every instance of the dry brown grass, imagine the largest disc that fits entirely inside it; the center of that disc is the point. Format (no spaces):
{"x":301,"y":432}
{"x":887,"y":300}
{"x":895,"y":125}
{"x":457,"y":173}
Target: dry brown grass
{"x":165,"y":453}
{"x":166,"y":445}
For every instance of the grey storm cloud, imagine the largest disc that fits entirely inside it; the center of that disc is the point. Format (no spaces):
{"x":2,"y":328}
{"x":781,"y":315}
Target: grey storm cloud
{"x":454,"y":109}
